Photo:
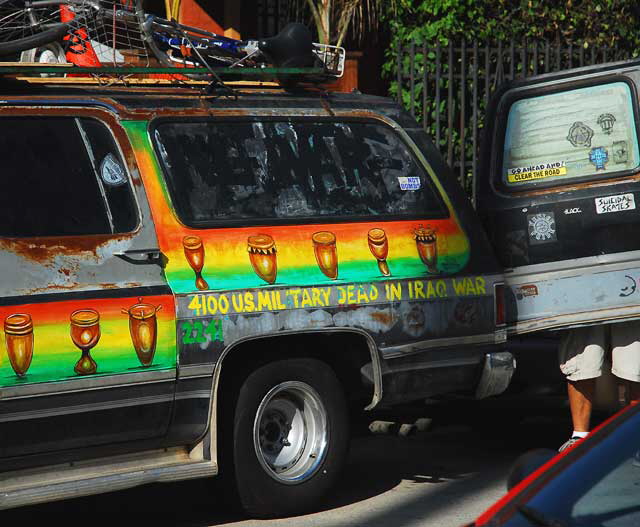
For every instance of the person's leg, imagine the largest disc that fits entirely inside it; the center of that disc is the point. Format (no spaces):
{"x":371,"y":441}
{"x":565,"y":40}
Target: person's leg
{"x":625,"y":342}
{"x":581,"y":354}
{"x":581,"y":402}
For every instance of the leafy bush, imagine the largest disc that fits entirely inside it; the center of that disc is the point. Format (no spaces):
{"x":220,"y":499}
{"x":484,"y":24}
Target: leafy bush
{"x":585,"y":24}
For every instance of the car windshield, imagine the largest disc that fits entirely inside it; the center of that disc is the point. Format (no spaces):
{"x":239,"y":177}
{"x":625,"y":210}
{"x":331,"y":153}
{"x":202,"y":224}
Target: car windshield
{"x":601,"y":488}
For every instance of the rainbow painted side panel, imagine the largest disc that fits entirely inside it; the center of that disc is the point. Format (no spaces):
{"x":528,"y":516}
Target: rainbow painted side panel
{"x":54,"y":355}
{"x":234,"y":259}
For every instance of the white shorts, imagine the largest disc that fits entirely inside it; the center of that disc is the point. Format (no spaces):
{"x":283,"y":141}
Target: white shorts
{"x":582,"y":351}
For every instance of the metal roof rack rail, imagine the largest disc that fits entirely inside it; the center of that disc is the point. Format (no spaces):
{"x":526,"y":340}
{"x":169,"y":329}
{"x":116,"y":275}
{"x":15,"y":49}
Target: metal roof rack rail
{"x":131,"y":75}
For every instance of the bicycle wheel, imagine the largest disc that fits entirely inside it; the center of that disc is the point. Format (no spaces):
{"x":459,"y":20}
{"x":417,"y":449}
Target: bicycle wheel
{"x":25,"y":25}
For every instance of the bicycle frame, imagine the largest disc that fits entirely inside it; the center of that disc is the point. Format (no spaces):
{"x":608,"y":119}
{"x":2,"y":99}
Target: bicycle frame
{"x":172,"y":43}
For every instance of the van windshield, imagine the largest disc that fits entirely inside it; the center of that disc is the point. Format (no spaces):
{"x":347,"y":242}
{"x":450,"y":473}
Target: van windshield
{"x":579,"y":133}
{"x":220,"y":170}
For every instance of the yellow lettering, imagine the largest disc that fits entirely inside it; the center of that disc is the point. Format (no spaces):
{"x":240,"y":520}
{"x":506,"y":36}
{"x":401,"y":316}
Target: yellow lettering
{"x":481,"y":285}
{"x":441,"y":288}
{"x":212,"y":305}
{"x":431,"y":292}
{"x":306,"y":299}
{"x":362,"y":296}
{"x":294,"y":293}
{"x":237,"y":301}
{"x":249,"y":302}
{"x":342,"y":299}
{"x":458,"y":287}
{"x":373,"y":293}
{"x":196,"y":305}
{"x":351,"y":299}
{"x":470,"y":289}
{"x":264,"y":300}
{"x":326,"y":293}
{"x":393,"y":291}
{"x":419,"y":289}
{"x":317,"y":301}
{"x":223,"y":304}
{"x":277,"y":302}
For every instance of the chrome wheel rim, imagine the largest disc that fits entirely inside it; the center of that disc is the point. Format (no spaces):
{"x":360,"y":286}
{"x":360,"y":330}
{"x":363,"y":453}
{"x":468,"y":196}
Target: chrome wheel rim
{"x":290,"y":432}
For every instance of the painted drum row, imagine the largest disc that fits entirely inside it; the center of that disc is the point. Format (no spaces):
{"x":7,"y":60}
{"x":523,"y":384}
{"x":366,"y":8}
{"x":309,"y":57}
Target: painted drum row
{"x":262,"y":253}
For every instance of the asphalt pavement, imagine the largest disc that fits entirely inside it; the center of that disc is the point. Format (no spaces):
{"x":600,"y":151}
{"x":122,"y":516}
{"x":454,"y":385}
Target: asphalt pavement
{"x":444,"y":476}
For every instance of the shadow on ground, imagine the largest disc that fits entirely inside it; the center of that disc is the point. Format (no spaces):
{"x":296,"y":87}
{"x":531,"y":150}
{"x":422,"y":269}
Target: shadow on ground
{"x":389,"y":480}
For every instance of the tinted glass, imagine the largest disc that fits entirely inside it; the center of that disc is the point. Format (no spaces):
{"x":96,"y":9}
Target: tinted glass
{"x":573,"y":134}
{"x":241,"y":170}
{"x":599,"y":489}
{"x":113,"y":177}
{"x":62,"y":176}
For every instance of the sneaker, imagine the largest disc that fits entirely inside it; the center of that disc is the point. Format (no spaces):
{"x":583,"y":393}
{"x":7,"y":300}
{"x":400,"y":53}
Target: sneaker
{"x":569,"y":443}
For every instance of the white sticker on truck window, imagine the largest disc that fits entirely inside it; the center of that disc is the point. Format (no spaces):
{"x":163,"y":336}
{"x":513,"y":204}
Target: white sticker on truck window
{"x":111,"y":171}
{"x":409,"y":183}
{"x":618,"y":203}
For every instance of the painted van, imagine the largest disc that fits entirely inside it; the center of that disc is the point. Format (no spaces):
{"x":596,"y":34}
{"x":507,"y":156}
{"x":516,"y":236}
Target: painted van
{"x":219,"y":284}
{"x":558,"y":194}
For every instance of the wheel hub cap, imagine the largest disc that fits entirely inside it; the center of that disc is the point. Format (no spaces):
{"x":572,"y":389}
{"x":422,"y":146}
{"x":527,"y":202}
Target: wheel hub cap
{"x":291,"y":432}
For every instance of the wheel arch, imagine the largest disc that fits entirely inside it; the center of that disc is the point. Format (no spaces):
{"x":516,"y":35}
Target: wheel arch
{"x":248,"y":353}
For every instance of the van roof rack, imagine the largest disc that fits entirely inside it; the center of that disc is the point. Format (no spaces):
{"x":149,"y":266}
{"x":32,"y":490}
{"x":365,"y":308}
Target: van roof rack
{"x":53,"y":73}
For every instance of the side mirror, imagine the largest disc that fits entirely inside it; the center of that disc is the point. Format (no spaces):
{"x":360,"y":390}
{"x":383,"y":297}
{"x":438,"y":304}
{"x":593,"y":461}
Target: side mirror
{"x":527,"y":464}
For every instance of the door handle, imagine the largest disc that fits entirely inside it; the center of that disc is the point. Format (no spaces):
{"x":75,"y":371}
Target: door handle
{"x":143,"y":257}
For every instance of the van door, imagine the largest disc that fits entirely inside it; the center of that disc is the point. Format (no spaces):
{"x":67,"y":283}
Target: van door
{"x":559,"y":194}
{"x":88,"y":352}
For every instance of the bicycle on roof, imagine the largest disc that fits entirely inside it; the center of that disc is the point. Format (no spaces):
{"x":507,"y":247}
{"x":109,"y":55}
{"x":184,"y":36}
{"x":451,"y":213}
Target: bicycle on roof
{"x":110,"y":31}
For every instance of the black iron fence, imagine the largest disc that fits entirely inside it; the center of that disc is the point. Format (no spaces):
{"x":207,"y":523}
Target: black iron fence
{"x":272,"y":16}
{"x":447,"y":88}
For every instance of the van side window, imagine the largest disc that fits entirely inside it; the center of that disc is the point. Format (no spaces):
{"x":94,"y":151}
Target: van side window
{"x":582,"y":133}
{"x":62,"y":176}
{"x":293,"y":169}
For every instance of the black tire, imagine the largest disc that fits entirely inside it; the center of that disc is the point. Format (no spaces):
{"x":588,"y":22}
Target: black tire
{"x":33,"y":41}
{"x":27,"y":28}
{"x":262,"y":491}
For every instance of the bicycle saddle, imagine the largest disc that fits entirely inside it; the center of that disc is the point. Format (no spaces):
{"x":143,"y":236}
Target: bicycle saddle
{"x":291,"y":48}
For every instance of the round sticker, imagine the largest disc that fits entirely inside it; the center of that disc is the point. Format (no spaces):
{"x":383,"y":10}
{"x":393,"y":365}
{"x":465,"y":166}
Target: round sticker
{"x":111,"y":171}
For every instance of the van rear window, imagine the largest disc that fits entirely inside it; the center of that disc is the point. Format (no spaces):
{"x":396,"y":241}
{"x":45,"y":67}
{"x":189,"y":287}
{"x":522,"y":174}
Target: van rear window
{"x":220,"y":170}
{"x":579,"y":133}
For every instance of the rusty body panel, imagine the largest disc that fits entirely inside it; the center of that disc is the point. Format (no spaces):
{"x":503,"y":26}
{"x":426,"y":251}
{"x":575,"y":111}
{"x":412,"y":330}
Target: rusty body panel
{"x":142,"y":324}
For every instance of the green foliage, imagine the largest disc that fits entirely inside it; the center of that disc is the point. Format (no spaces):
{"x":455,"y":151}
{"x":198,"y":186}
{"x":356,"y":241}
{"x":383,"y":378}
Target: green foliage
{"x":601,"y":22}
{"x":611,"y":23}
